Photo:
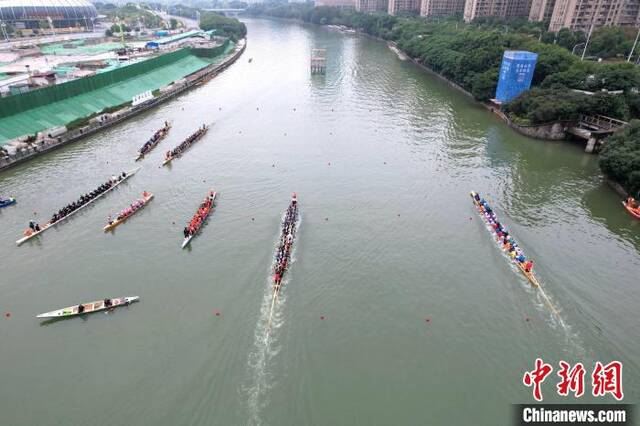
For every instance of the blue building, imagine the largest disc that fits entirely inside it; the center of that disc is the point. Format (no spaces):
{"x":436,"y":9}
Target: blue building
{"x":516,"y":73}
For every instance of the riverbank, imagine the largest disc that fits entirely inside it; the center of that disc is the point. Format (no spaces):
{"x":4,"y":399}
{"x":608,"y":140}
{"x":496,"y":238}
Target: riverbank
{"x":104,"y":121}
{"x":555,"y":131}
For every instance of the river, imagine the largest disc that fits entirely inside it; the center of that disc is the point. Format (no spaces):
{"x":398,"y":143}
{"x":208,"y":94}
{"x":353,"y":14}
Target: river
{"x":398,"y":309}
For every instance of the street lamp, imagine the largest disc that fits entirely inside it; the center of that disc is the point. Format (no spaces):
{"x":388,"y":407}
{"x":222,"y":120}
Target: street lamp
{"x":634,"y":46}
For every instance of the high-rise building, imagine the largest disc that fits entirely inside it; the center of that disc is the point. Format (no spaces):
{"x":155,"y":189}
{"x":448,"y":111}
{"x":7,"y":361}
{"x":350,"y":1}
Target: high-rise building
{"x":502,"y":8}
{"x":342,"y":4}
{"x":541,"y":10}
{"x":583,"y":14}
{"x":441,"y":7}
{"x":398,"y":6}
{"x":370,"y":6}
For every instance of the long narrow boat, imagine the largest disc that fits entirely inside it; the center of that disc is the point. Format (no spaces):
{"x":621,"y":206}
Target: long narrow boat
{"x":90,"y":307}
{"x":51,"y":224}
{"x":212,"y":197}
{"x":146,"y":197}
{"x":196,"y":136}
{"x":6,"y":202}
{"x":162,"y":133}
{"x":632,"y":211}
{"x":282,"y":258}
{"x":528,"y":275}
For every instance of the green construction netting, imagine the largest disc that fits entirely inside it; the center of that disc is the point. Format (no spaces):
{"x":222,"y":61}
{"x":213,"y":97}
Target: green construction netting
{"x":80,"y":48}
{"x":15,"y":104}
{"x":61,"y":104}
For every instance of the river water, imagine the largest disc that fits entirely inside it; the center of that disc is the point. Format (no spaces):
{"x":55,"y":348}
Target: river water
{"x":398,"y":309}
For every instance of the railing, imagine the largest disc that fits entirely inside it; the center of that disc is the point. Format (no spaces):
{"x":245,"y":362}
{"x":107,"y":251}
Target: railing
{"x":601,"y":122}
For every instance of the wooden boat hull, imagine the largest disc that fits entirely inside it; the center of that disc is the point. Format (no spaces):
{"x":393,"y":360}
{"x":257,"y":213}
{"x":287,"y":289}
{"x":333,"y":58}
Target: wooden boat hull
{"x":169,"y":160}
{"x":90,"y":307}
{"x":164,"y":135}
{"x":187,"y":240}
{"x":528,"y":275}
{"x":8,"y":202}
{"x":49,"y":225}
{"x":630,"y":210}
{"x":118,"y":222}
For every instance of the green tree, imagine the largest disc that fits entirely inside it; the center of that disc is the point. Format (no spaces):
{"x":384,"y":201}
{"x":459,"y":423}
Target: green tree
{"x":224,"y":26}
{"x":173,"y":23}
{"x":608,"y":42}
{"x":620,"y":157}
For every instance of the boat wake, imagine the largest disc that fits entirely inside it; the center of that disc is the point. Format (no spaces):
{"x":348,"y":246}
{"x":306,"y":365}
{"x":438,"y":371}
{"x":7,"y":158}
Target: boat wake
{"x":266,"y":346}
{"x":545,"y":303}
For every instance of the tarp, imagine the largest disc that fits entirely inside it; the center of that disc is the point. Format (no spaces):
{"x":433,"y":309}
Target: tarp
{"x":172,"y":39}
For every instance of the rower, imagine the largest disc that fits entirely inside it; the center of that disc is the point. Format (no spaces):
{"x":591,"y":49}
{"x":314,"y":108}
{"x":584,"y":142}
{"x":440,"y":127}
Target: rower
{"x":80,"y":309}
{"x":476,"y":197}
{"x":528,"y":266}
{"x":109,"y":220}
{"x":107,"y":303}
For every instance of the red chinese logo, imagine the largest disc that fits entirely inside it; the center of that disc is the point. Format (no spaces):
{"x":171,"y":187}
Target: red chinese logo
{"x":605,"y":379}
{"x":536,"y":377}
{"x":572,"y":379}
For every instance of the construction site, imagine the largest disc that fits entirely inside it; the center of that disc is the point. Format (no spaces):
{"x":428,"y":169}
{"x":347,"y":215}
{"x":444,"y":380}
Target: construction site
{"x":50,"y":90}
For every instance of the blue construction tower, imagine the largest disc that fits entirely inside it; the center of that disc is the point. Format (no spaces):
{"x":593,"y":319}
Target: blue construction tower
{"x":516,"y":73}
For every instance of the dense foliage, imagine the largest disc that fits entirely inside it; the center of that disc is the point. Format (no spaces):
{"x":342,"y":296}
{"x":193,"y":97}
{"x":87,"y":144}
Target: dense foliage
{"x":132,"y":15}
{"x":620,"y":157}
{"x":228,"y":27}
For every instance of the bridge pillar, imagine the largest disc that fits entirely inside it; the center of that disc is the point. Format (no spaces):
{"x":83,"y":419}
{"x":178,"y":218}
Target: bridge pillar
{"x":591,"y":145}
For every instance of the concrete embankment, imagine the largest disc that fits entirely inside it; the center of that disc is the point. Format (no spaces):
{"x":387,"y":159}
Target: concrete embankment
{"x":104,"y":121}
